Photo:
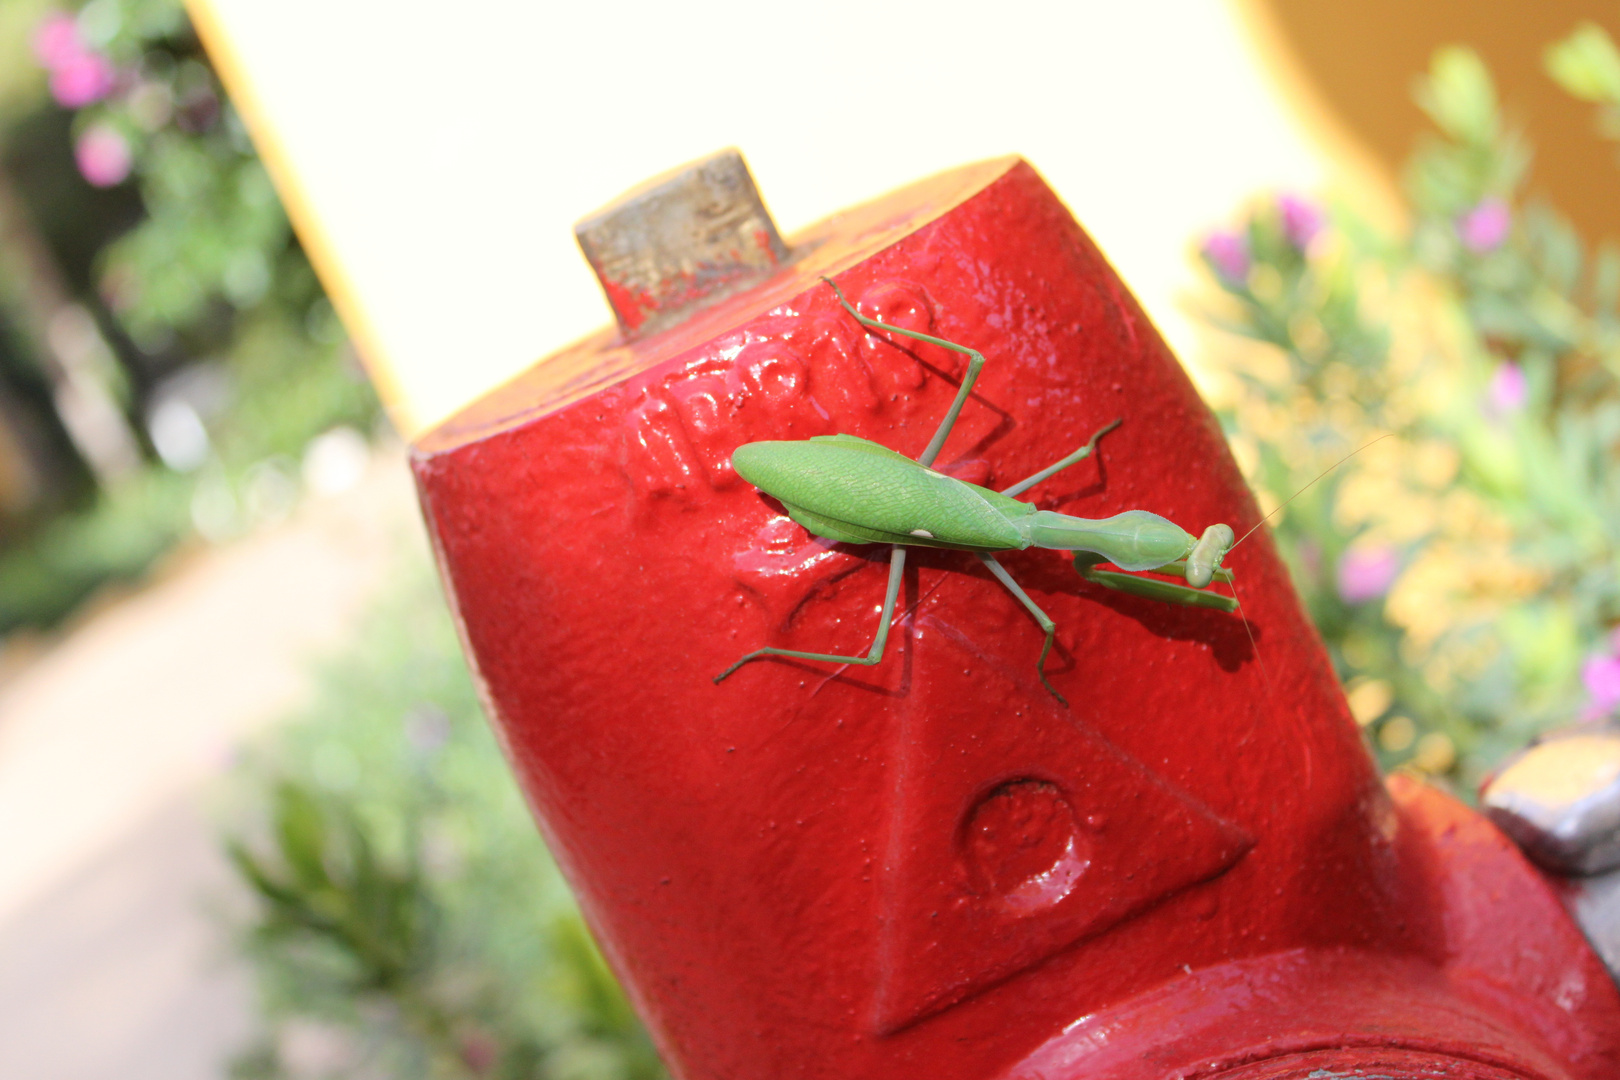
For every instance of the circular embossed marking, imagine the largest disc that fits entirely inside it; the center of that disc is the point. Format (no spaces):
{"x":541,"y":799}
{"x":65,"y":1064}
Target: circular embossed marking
{"x":1023,"y":845}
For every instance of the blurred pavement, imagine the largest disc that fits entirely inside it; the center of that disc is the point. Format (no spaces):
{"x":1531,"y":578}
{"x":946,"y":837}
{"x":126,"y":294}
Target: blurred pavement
{"x":110,"y":964}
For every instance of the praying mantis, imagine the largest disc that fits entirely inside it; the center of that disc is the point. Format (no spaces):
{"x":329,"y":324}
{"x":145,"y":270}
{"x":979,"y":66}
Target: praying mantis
{"x":851,"y":490}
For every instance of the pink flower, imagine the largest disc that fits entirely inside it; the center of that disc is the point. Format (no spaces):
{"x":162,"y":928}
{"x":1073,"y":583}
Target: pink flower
{"x":1228,"y":253}
{"x":1484,"y":227}
{"x":1507,"y":392}
{"x":81,"y":80}
{"x":1366,"y":573}
{"x":103,"y":156}
{"x":479,"y":1051}
{"x":1601,"y":674}
{"x":56,"y":39}
{"x":80,"y":76}
{"x":1301,"y":220}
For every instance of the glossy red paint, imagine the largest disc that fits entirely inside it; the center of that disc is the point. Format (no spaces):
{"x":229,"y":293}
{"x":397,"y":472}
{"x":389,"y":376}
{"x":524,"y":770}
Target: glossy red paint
{"x":929,"y":868}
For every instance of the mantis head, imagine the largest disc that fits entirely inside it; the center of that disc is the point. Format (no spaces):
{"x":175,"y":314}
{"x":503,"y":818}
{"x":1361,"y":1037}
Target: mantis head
{"x":1205,"y":558}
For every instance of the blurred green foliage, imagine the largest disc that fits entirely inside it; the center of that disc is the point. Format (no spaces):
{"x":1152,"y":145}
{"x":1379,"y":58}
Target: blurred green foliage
{"x":213,"y":293}
{"x":1587,"y":65}
{"x":1465,"y":573}
{"x":214,"y":232}
{"x":409,"y":922}
{"x":284,"y":389}
{"x":72,"y":556}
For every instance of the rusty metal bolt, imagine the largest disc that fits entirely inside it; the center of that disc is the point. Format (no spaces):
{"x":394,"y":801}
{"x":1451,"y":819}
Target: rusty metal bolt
{"x":681,"y":242}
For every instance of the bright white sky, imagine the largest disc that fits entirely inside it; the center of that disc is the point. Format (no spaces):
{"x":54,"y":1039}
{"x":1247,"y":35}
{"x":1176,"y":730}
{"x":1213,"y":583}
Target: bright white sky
{"x":437,"y":155}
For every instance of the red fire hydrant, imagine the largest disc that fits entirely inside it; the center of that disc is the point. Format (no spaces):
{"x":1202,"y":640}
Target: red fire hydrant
{"x":930,"y":868}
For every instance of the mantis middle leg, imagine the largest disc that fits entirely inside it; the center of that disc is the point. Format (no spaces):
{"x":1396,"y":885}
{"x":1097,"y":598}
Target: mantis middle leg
{"x":897,"y":566}
{"x":1073,"y":459}
{"x":1041,"y":617}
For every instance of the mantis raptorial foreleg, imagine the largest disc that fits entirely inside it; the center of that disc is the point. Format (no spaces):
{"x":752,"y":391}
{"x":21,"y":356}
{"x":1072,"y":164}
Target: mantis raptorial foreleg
{"x":897,"y":566}
{"x":1045,"y":622}
{"x":1152,"y":588}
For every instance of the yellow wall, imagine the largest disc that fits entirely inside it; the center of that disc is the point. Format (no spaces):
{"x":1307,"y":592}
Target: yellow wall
{"x":1359,"y":60}
{"x":435,"y":157}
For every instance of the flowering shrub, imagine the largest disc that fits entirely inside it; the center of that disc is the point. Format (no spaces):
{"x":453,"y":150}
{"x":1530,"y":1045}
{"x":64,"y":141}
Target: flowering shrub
{"x":1465,"y":572}
{"x":234,"y":362}
{"x":80,"y":75}
{"x":151,"y":110}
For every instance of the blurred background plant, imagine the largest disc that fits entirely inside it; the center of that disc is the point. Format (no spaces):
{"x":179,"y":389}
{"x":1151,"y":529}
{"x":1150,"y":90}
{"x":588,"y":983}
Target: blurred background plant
{"x":1465,"y":572}
{"x":410,"y":923}
{"x":168,"y":360}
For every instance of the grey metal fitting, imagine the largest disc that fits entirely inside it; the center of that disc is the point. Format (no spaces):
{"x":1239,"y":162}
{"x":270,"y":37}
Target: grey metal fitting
{"x":1559,"y":799}
{"x":1595,"y":903}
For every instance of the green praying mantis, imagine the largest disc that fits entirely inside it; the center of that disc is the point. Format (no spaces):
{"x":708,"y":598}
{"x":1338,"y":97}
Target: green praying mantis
{"x":851,"y":490}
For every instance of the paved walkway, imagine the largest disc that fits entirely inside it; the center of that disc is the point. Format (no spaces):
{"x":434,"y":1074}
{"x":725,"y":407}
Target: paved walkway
{"x":110,"y":965}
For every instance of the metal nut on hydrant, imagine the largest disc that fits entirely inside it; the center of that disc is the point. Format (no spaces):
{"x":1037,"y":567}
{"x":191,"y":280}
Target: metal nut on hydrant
{"x":1177,"y":859}
{"x":1559,"y":799}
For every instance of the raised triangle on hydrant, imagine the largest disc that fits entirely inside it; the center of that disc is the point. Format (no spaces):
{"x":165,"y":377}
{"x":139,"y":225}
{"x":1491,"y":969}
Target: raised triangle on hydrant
{"x":1023,"y":838}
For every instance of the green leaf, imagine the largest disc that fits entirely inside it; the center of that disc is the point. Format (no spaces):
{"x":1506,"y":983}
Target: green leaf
{"x":301,"y":834}
{"x":1586,"y":64}
{"x":1606,"y":279}
{"x":1459,"y":96}
{"x":586,"y":980}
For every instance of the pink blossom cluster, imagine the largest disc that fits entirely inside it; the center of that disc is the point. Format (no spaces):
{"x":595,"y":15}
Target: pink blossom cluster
{"x":80,"y":75}
{"x":1486,"y":226}
{"x":103,"y":155}
{"x":1507,"y":392}
{"x":1302,"y":220}
{"x":1366,"y":572}
{"x":1601,"y":674}
{"x":1228,"y":253}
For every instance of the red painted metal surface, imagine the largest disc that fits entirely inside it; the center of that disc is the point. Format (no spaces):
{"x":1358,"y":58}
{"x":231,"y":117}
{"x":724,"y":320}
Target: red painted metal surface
{"x":929,"y":868}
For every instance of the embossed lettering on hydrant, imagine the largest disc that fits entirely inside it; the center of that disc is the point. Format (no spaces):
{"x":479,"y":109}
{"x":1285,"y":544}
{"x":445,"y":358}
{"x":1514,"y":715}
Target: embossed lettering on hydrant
{"x":786,"y":376}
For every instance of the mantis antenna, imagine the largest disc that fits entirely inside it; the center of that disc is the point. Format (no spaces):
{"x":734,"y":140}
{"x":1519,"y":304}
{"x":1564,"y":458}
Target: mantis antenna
{"x":1307,"y":487}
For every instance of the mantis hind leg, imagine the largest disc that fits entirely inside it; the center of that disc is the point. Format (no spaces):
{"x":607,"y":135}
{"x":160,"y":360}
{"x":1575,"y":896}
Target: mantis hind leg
{"x":897,"y":566}
{"x":1041,"y":617}
{"x":975,"y":365}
